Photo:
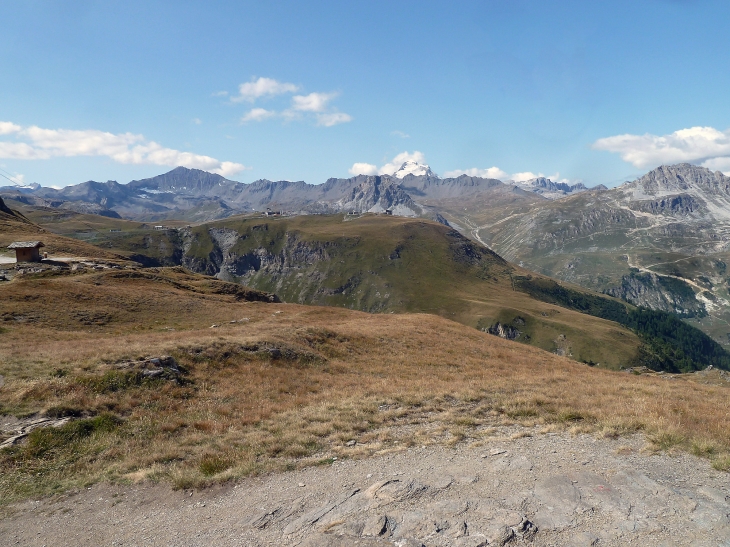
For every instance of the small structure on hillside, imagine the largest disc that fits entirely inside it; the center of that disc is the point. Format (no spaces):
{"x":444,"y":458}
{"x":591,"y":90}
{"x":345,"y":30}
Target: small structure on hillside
{"x":389,"y":211}
{"x":27,"y":251}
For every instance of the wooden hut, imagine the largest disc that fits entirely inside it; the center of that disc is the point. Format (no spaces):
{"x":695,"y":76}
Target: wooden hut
{"x":27,"y":251}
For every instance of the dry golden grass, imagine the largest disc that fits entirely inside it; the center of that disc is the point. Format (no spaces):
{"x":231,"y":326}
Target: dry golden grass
{"x":290,"y":385}
{"x":21,"y":229}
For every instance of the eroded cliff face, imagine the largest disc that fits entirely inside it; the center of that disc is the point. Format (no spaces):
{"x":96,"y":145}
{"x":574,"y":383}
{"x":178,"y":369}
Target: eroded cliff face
{"x":296,"y":269}
{"x":661,"y":293}
{"x":294,"y":260}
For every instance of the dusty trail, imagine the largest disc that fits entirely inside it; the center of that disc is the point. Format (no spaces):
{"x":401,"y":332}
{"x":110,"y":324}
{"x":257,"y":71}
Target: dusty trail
{"x":542,"y":489}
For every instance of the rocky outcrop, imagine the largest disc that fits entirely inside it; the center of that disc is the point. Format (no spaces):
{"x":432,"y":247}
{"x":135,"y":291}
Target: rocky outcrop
{"x":661,"y":293}
{"x":581,"y":223}
{"x":5,"y":209}
{"x":294,"y":255}
{"x":682,"y":204}
{"x":378,"y":194}
{"x":508,"y":332}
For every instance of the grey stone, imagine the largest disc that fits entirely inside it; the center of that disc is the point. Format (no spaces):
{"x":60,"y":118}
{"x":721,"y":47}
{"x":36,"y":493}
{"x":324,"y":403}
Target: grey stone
{"x":443,"y":482}
{"x":560,"y":501}
{"x":521,"y":463}
{"x":582,"y":539}
{"x":313,"y":516}
{"x":500,"y":535}
{"x":596,"y":491}
{"x":376,"y":525}
{"x":472,"y":540}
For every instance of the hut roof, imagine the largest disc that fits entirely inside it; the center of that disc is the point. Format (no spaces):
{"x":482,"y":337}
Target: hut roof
{"x":26,"y":245}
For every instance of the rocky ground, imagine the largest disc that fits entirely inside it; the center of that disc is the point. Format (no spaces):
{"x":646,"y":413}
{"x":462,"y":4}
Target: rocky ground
{"x":522,"y":488}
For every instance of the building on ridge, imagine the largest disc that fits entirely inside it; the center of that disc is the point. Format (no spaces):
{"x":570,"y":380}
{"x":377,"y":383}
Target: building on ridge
{"x":27,"y":251}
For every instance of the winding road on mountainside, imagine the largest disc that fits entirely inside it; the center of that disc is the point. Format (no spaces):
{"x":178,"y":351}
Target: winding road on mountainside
{"x":525,"y":486}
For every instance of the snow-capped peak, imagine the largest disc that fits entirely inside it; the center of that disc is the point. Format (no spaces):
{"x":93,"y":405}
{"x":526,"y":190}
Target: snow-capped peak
{"x":414,"y":168}
{"x":27,"y":186}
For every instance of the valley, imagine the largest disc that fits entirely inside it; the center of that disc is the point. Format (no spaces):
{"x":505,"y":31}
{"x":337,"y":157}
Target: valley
{"x":658,"y":242}
{"x":213,"y":353}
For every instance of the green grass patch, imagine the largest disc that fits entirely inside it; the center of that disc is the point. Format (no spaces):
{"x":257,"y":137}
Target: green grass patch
{"x":664,"y":440}
{"x":722,"y":463}
{"x":212,"y":464}
{"x":669,"y":343}
{"x":114,"y":380}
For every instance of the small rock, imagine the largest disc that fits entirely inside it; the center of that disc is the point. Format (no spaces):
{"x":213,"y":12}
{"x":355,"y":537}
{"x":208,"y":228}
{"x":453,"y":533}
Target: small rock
{"x":375,"y":526}
{"x":301,"y":485}
{"x":497,"y":452}
{"x":214,"y":326}
{"x":500,"y":535}
{"x":583,"y":539}
{"x":521,"y":463}
{"x":352,"y":442}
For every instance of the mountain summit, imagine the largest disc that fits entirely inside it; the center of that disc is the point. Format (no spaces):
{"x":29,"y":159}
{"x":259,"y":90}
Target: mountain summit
{"x":550,"y":189}
{"x":680,"y":178}
{"x":414,"y":168}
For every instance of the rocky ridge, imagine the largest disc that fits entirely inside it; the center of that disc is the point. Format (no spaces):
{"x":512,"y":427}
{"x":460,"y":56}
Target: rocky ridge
{"x":197,"y":195}
{"x":672,"y":224}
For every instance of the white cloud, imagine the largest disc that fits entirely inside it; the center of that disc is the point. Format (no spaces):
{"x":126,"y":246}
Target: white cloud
{"x":197,"y":121}
{"x":36,"y":143}
{"x":497,"y":173}
{"x":333,"y":118}
{"x":490,"y":173}
{"x":389,"y":168}
{"x":363,"y":169}
{"x":529,"y":175}
{"x":718,"y":164}
{"x":314,"y":102}
{"x":262,"y":87}
{"x":525,"y":175}
{"x":696,"y":144}
{"x":6,"y":128}
{"x":257,"y":115}
{"x":400,"y":134}
{"x":313,"y":107}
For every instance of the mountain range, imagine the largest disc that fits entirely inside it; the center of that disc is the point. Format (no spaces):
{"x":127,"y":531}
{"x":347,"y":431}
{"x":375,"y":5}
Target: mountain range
{"x":194,"y":195}
{"x":660,"y":241}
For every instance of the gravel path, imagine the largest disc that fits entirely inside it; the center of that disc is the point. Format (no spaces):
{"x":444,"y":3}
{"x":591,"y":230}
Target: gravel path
{"x":545,"y":489}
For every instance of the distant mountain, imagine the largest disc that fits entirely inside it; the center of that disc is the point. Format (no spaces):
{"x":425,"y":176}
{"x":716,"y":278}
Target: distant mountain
{"x":414,"y":168}
{"x":552,"y":190}
{"x":661,"y":241}
{"x":195,"y":195}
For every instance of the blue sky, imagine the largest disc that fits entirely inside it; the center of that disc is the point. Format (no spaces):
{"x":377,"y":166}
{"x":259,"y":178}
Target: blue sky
{"x":593,"y":91}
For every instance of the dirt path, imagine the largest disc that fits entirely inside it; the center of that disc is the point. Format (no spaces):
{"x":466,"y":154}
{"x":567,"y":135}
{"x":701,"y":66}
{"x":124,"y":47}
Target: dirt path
{"x":545,"y":489}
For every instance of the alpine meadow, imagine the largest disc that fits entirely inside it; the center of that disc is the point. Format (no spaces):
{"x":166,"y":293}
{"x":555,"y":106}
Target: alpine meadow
{"x":395,"y":274}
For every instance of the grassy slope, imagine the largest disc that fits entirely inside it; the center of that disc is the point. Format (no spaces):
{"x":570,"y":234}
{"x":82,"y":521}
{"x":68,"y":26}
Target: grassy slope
{"x":134,"y":240}
{"x":392,"y":264}
{"x":18,"y":227}
{"x":382,"y":264}
{"x":339,"y":375}
{"x":546,"y":237}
